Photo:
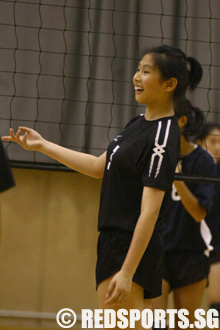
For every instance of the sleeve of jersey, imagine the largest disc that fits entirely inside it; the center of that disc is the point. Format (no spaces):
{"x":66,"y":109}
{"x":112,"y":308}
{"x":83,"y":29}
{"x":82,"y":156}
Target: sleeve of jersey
{"x":158,"y":166}
{"x":205,"y":191}
{"x":132,"y":121}
{"x":6,"y":177}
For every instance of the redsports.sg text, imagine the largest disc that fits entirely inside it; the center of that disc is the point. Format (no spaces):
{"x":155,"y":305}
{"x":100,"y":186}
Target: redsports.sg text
{"x":126,"y":319}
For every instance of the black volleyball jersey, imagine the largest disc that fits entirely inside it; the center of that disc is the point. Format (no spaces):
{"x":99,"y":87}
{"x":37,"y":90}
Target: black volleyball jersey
{"x":182,"y":232}
{"x":213,"y":218}
{"x":145,"y":153}
{"x":6,"y":178}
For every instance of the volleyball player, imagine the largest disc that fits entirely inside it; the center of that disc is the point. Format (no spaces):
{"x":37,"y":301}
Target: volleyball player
{"x":137,"y":169}
{"x":187,"y":236}
{"x":209,"y":139}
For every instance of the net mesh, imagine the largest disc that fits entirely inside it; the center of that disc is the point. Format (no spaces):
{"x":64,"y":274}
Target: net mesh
{"x":66,"y":66}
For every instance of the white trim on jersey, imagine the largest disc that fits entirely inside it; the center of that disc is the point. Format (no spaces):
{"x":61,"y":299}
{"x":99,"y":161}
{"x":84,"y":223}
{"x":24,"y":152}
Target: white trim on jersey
{"x":207,"y":237}
{"x":158,"y":150}
{"x":112,"y":154}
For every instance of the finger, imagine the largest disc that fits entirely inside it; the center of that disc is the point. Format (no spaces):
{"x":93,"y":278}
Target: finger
{"x":25,"y":139}
{"x":110,"y":288}
{"x":112,"y":299}
{"x":6,"y":138}
{"x":120,"y":298}
{"x":18,"y":137}
{"x":25,"y":129}
{"x":12,"y":134}
{"x":9,"y":138}
{"x":124,"y":298}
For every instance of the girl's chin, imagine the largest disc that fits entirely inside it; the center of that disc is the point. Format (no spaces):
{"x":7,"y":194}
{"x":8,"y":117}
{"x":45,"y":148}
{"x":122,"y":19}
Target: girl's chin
{"x":139,"y":99}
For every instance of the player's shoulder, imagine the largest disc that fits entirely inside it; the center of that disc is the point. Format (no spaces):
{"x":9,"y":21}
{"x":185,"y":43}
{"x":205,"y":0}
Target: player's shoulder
{"x":204,"y":161}
{"x":134,"y":120}
{"x":170,"y":129}
{"x":204,"y":154}
{"x":170,"y":122}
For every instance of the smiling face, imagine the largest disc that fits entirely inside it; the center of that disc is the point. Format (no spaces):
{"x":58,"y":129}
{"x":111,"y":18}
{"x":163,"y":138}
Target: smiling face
{"x":148,"y":84}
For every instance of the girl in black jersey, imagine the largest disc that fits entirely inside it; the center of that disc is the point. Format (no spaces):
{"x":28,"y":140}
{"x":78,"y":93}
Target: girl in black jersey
{"x":186,"y":234}
{"x":137,"y":169}
{"x":209,"y":139}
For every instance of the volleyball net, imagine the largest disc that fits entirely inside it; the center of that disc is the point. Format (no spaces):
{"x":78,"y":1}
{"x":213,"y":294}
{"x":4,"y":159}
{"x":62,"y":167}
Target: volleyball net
{"x":66,"y":66}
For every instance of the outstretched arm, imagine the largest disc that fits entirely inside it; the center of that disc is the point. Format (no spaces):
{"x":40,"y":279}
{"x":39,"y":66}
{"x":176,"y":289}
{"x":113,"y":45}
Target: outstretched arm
{"x":86,"y":164}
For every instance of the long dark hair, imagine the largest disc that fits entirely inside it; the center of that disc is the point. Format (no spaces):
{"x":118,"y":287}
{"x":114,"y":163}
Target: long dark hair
{"x":195,"y":118}
{"x":172,"y":62}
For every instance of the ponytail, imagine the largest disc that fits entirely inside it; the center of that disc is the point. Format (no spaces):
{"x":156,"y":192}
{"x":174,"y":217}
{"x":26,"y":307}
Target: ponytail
{"x":195,"y":73}
{"x":195,"y":118}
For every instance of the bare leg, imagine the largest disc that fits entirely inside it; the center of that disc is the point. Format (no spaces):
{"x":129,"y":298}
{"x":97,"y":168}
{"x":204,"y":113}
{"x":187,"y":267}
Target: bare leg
{"x":135,"y":300}
{"x":214,"y":285}
{"x":161,"y":302}
{"x":190,"y":298}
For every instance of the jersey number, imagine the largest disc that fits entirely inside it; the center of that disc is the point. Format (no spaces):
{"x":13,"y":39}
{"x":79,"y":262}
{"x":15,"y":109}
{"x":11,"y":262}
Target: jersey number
{"x":174,"y":195}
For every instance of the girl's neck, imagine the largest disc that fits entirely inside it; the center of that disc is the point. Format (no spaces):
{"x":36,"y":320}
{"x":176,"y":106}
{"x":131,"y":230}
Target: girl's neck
{"x":159,"y":111}
{"x":186,"y":146}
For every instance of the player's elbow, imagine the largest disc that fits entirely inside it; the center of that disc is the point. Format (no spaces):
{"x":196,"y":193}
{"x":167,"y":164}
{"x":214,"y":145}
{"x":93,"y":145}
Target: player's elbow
{"x":201,"y":214}
{"x":99,"y":166}
{"x":98,"y":175}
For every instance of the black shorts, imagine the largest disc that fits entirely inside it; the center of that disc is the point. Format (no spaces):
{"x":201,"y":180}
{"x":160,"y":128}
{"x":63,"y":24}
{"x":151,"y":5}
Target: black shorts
{"x":113,"y":245}
{"x":215,"y":255}
{"x":183,"y":268}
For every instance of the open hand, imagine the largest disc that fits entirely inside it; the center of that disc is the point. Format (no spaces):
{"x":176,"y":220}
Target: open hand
{"x":30,"y":140}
